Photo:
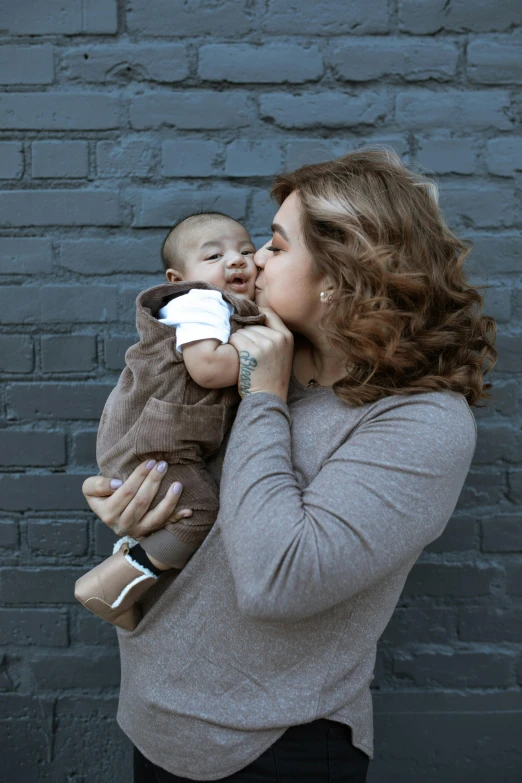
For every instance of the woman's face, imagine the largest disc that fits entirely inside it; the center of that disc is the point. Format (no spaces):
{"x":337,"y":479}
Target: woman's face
{"x":288,"y":282}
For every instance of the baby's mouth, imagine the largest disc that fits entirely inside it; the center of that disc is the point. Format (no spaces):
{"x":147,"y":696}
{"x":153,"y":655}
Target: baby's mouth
{"x":238,"y":283}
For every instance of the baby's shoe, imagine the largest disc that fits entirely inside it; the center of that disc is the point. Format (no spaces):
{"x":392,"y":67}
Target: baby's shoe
{"x":112,"y":588}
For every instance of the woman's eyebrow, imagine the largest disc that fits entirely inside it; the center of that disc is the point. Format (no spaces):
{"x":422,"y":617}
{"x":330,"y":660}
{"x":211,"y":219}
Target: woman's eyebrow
{"x":280,"y":230}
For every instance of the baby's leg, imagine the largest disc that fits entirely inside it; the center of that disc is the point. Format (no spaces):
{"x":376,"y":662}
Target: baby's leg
{"x":174,"y":544}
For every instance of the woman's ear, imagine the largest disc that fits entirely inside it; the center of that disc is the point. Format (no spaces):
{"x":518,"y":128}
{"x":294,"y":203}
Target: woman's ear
{"x":173,"y":276}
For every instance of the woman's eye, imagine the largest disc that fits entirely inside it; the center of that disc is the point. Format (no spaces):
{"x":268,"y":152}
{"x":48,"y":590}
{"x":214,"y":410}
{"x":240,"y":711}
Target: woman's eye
{"x":273,"y":249}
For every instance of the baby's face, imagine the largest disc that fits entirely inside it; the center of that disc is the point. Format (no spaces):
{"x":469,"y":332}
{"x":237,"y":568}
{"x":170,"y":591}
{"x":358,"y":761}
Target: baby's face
{"x":221,"y":253}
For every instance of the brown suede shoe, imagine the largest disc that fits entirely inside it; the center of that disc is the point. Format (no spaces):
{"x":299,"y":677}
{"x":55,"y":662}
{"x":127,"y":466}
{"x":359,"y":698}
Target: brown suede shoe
{"x":111,"y":589}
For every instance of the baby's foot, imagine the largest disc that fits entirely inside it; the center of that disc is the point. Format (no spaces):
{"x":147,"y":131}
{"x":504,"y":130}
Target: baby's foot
{"x":112,"y":588}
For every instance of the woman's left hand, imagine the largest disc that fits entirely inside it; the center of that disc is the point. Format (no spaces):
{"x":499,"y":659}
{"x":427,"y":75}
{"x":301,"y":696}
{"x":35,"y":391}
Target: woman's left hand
{"x":265,"y":356}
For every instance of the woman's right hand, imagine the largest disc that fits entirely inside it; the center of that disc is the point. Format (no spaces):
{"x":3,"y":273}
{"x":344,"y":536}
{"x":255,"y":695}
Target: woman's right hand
{"x":125,"y":507}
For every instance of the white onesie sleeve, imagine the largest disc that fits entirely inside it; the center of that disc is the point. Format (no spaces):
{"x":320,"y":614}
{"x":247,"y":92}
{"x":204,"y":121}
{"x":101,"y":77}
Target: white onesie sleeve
{"x":200,"y":314}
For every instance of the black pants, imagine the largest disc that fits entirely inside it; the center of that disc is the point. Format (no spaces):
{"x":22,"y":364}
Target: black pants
{"x":318,"y":752}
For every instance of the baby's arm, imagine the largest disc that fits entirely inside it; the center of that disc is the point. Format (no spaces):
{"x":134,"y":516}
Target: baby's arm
{"x":211,"y":364}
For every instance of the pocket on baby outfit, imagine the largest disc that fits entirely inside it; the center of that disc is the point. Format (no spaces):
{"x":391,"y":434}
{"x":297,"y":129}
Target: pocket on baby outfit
{"x":177,"y":431}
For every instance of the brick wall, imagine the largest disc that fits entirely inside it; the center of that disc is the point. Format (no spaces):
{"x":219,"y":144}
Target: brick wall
{"x":115,"y":119}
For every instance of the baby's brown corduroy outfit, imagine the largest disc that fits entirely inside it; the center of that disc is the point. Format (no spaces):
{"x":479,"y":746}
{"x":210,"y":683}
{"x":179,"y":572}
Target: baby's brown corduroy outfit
{"x":157,"y":411}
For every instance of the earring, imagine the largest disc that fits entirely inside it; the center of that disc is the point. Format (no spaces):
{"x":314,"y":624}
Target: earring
{"x":324,"y":296}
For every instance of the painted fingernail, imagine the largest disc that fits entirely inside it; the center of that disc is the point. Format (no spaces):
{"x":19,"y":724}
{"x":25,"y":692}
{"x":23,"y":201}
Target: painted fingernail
{"x":150,"y":464}
{"x":187,"y":514}
{"x":162,"y":467}
{"x":177,"y":487}
{"x":115,"y":483}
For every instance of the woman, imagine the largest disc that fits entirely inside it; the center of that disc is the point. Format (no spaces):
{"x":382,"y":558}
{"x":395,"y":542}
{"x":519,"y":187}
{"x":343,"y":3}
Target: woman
{"x":347,"y":457}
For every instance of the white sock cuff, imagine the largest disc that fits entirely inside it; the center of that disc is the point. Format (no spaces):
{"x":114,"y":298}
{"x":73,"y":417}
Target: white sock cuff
{"x":121,"y":541}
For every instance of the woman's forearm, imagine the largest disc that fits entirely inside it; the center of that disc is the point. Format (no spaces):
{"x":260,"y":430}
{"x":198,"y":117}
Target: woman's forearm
{"x":375,"y":503}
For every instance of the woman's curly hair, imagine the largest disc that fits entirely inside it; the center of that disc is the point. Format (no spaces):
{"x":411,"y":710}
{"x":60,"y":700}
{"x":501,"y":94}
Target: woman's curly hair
{"x":403,"y":316}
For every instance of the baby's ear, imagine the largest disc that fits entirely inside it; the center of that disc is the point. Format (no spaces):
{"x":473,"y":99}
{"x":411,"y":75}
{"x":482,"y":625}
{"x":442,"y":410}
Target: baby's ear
{"x":172,"y":276}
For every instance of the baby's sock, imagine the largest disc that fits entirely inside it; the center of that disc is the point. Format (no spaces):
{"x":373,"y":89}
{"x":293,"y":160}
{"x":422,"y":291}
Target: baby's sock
{"x":140,"y":556}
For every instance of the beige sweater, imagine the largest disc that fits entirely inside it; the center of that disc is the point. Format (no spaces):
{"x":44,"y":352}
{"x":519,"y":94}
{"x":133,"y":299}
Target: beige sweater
{"x":275,"y":620}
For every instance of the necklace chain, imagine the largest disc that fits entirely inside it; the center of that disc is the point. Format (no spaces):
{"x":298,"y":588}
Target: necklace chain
{"x":313,"y":383}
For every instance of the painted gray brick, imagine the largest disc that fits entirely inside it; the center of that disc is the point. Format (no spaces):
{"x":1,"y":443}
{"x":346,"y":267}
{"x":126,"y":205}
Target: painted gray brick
{"x":262,"y":212}
{"x":360,"y":60}
{"x":421,"y":624}
{"x":38,"y":585}
{"x":190,"y":158}
{"x":57,"y":400}
{"x":26,"y":64}
{"x":454,"y":669}
{"x":16,"y":353}
{"x":128,"y":158}
{"x":30,"y":627}
{"x":63,"y":353}
{"x":75,"y":669}
{"x":112,"y":255}
{"x":59,"y":207}
{"x":454,"y":109}
{"x":253,"y":158}
{"x":163,"y":207}
{"x":175,"y":18}
{"x":31,"y":448}
{"x":58,"y":111}
{"x":509,"y":347}
{"x":156,"y":62}
{"x":450,"y":579}
{"x":84,"y":447}
{"x":9,"y":534}
{"x":514,"y":579}
{"x":458,"y":535}
{"x":504,"y":156}
{"x":482,"y":207}
{"x":495,"y":61}
{"x":57,"y":304}
{"x":302,"y":151}
{"x":41,"y":492}
{"x":482,"y":487}
{"x":328,"y":108}
{"x":64,"y":17}
{"x":447,"y":156}
{"x":263,"y":63}
{"x":192,"y":110}
{"x":497,"y":441}
{"x":498,"y":253}
{"x":78,"y":304}
{"x":501,"y":534}
{"x":104,"y":539}
{"x":11,"y":159}
{"x":431,"y":16}
{"x":60,"y":159}
{"x":489,"y":624}
{"x":58,"y":538}
{"x":497,"y":303}
{"x":87,"y":628}
{"x":115,"y":349}
{"x":326,"y":17}
{"x":127,"y":309}
{"x":22,"y":256}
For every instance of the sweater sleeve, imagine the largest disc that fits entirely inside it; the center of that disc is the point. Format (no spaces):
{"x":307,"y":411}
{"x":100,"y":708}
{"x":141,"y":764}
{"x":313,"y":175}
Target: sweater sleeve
{"x":376,"y":502}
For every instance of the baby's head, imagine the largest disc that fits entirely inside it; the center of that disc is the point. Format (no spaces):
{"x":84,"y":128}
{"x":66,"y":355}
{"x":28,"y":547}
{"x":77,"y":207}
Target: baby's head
{"x":212,"y":247}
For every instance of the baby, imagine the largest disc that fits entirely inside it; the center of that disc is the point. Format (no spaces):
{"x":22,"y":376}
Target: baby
{"x":175,"y":401}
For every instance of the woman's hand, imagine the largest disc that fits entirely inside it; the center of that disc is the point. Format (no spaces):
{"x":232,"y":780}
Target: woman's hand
{"x":265,"y":356}
{"x":124,"y":507}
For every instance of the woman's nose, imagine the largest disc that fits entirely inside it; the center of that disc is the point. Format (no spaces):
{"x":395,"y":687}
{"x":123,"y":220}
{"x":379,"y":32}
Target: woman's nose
{"x":260,"y":256}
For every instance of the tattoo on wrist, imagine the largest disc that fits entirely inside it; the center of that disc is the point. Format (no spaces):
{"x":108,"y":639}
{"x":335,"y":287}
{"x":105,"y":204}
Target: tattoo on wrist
{"x":247,"y":364}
